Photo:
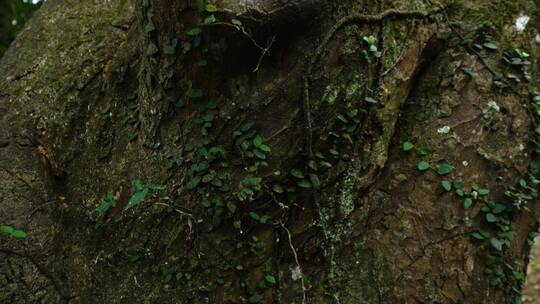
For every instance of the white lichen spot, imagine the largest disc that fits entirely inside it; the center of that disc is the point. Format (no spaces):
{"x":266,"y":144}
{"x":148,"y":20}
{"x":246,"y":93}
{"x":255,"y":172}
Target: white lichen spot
{"x":521,"y":22}
{"x":296,"y":273}
{"x":465,"y":163}
{"x":444,"y":130}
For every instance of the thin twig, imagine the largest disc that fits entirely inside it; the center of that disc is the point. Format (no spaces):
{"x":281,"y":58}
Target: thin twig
{"x":269,"y":43}
{"x":175,"y":209}
{"x":264,"y":49}
{"x":367,"y":19}
{"x":304,"y":290}
{"x":307,"y":117}
{"x":191,"y":218}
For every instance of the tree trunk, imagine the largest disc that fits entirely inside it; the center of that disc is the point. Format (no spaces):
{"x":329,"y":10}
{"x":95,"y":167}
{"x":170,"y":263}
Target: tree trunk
{"x":269,"y":152}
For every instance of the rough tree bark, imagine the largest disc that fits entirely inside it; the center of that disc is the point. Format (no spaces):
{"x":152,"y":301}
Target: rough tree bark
{"x":272,"y":134}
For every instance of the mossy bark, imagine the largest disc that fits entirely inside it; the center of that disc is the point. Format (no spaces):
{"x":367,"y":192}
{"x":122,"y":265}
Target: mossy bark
{"x":93,"y":98}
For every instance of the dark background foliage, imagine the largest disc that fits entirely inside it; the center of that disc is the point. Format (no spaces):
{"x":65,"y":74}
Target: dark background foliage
{"x":13,"y":15}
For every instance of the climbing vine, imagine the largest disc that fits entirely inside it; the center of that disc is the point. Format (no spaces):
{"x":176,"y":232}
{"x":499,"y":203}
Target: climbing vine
{"x":497,"y":215}
{"x":230,"y":179}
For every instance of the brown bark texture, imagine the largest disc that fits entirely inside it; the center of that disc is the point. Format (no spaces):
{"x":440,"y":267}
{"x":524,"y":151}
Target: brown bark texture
{"x":304,"y":151}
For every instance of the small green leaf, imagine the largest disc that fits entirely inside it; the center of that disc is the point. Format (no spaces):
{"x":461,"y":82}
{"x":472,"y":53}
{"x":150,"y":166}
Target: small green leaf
{"x":245,"y":145}
{"x":478,"y":236}
{"x":264,"y":219}
{"x":422,"y":151}
{"x":137,"y":198}
{"x":315,"y":181}
{"x":194,"y":182}
{"x":510,"y":235}
{"x":19,"y":234}
{"x":371,"y":40}
{"x":458,"y":184}
{"x":200,"y":6}
{"x":167,"y":278}
{"x":152,"y":49}
{"x":490,"y":217}
{"x":256,"y":298}
{"x":498,"y":208}
{"x":483,"y":192}
{"x":326,"y":164}
{"x":150,"y":27}
{"x":232,"y":207}
{"x":211,"y":8}
{"x":370,"y":100}
{"x":447,"y":185}
{"x":304,"y":183}
{"x":194,"y":93}
{"x":207,"y":178}
{"x":297,"y":173}
{"x":246,"y":127}
{"x":270,"y":279}
{"x":169,"y":50}
{"x":236,"y":22}
{"x":104,"y":207}
{"x":469,"y":72}
{"x":423,"y":166}
{"x":518,"y":275}
{"x":259,"y":154}
{"x":490,"y":46}
{"x":7,"y":229}
{"x":467,"y":203}
{"x":216,"y":150}
{"x":444,"y":169}
{"x":496,"y":243}
{"x":210,"y":19}
{"x":342,"y":119}
{"x":194,"y":31}
{"x":312,"y":165}
{"x":257,"y":141}
{"x":521,"y":53}
{"x":265,"y":148}
{"x":408,"y":146}
{"x":105,"y":111}
{"x":255,"y":216}
{"x":138,"y":185}
{"x":278,"y":189}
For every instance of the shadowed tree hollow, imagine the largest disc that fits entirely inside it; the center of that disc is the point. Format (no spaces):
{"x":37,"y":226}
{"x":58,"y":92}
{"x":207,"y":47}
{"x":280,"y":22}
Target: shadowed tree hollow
{"x":304,"y":151}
